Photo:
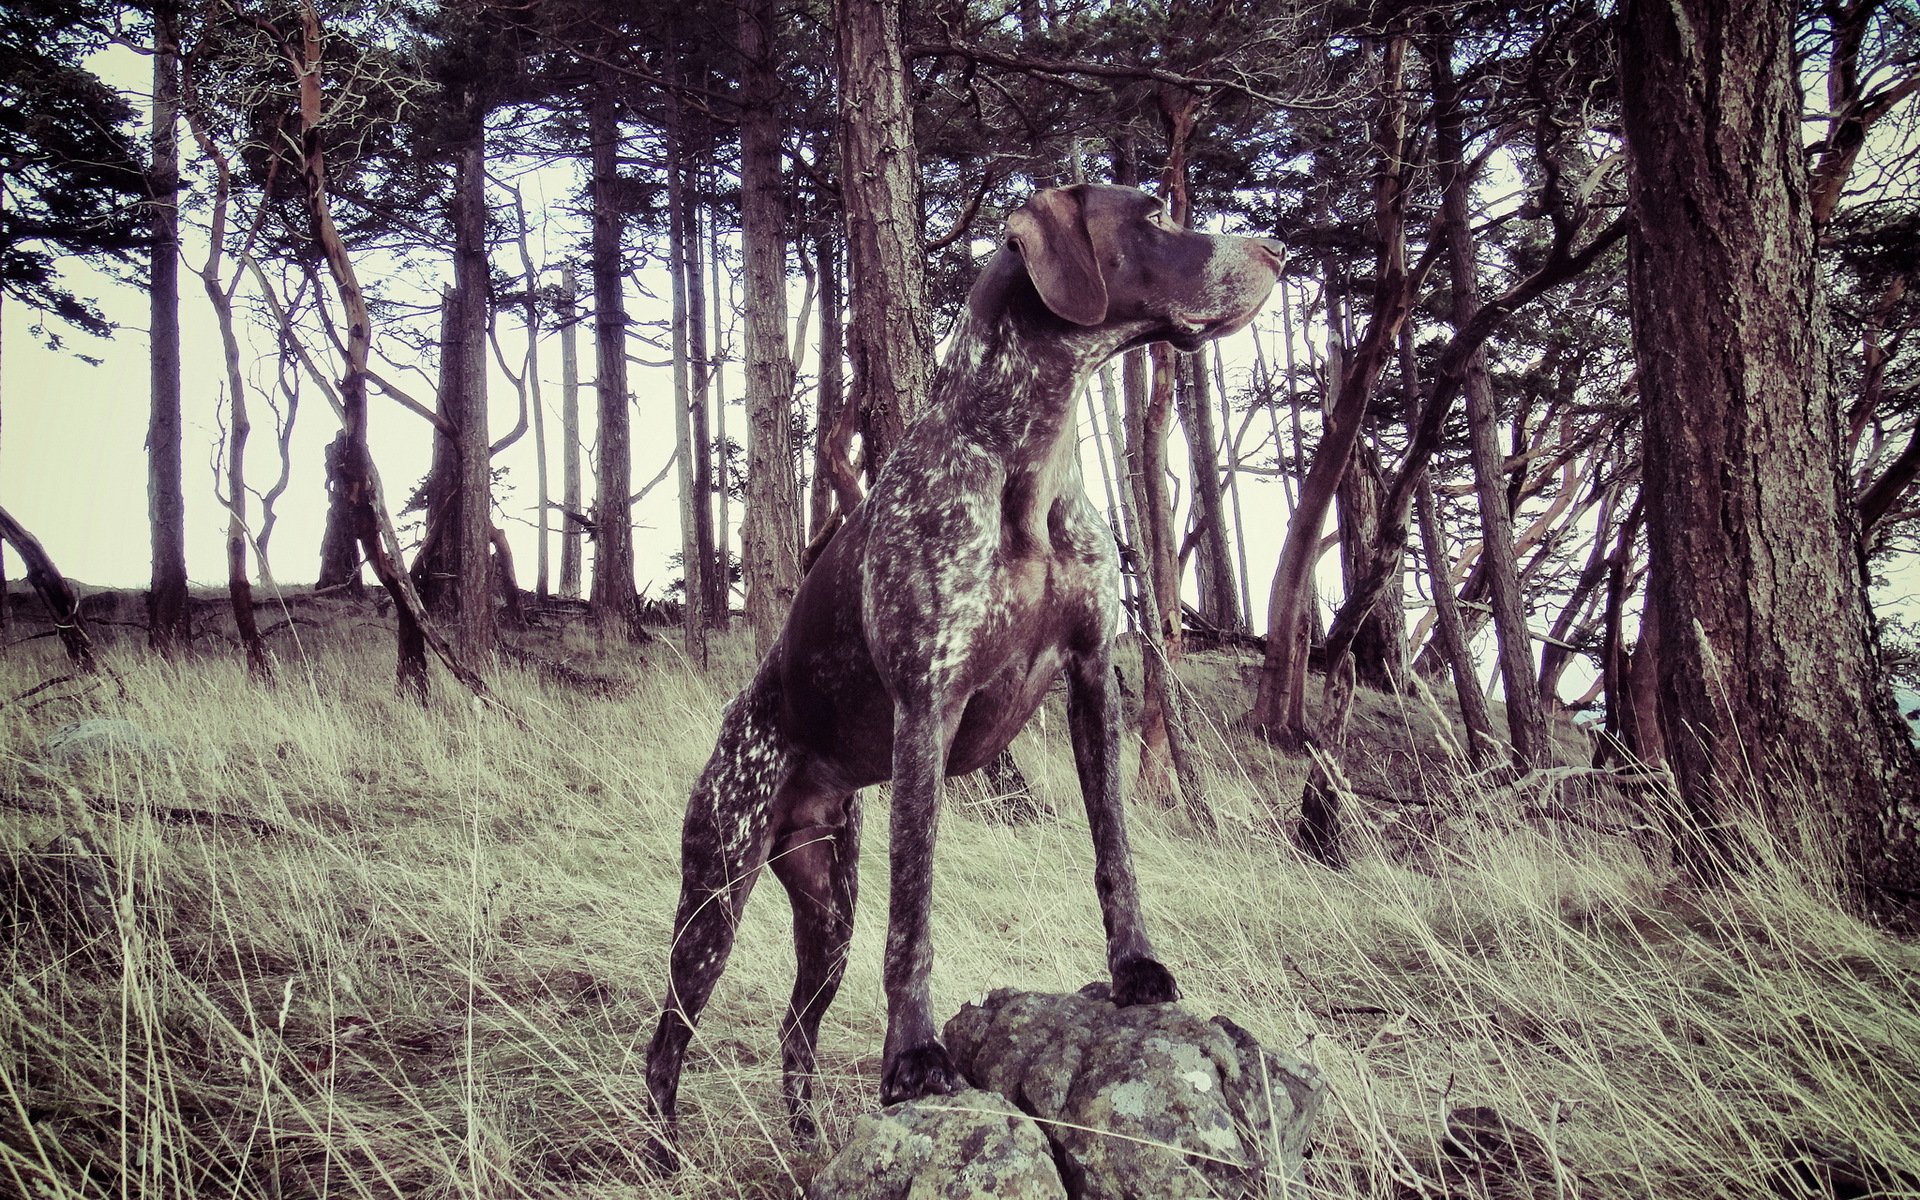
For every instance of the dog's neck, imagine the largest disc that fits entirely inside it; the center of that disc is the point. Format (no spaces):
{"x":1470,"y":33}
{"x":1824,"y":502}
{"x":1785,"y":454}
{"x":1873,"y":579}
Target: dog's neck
{"x":1010,"y":383}
{"x":1013,"y":376}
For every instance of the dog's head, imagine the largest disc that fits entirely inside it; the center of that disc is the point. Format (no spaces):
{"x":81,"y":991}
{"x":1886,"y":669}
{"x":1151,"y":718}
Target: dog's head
{"x":1111,"y":258}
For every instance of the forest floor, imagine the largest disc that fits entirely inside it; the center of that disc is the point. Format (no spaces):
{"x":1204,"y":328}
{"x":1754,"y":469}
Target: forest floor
{"x":313,"y":939}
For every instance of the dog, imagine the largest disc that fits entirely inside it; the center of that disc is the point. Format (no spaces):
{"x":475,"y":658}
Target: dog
{"x":930,"y":628}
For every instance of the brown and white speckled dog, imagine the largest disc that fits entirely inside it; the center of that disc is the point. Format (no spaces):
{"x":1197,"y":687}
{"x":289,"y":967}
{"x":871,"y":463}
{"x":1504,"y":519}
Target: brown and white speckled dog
{"x":933,"y":624}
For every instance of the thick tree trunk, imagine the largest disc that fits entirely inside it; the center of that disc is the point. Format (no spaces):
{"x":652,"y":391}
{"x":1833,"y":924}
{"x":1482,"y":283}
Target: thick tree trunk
{"x":614,"y":602}
{"x":890,"y":341}
{"x":1379,"y":645}
{"x":169,"y":623}
{"x":45,"y":578}
{"x":572,"y":535}
{"x":451,"y":570}
{"x":339,"y":554}
{"x":769,"y":529}
{"x":1771,"y":690}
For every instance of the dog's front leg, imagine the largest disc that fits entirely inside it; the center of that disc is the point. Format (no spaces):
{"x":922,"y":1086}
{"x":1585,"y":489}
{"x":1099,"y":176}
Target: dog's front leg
{"x":1093,"y":720}
{"x":914,"y":1063}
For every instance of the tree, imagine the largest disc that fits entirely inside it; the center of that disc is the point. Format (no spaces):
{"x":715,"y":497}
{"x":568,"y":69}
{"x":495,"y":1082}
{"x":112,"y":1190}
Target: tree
{"x":169,"y":620}
{"x":770,"y":532}
{"x":1771,"y":693}
{"x":1280,"y":708}
{"x":71,"y":180}
{"x":614,"y":602}
{"x":889,"y":341}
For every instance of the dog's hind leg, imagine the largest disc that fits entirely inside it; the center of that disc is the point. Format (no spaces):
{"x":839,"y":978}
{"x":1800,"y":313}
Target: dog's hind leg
{"x":723,"y":844}
{"x":816,"y":855}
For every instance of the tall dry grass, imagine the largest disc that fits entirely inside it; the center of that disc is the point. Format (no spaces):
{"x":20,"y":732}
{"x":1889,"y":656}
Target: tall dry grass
{"x":427,"y":961}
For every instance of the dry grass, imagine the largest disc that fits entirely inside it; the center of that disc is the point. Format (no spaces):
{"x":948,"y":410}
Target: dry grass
{"x":430,"y":964}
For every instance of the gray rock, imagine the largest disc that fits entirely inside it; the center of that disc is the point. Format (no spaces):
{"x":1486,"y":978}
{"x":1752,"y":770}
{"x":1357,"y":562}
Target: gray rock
{"x":970,"y":1146}
{"x":104,"y":737}
{"x":1143,"y":1103}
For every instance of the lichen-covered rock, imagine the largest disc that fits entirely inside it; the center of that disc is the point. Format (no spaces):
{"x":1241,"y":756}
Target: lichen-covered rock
{"x":1143,"y":1103}
{"x":970,"y":1146}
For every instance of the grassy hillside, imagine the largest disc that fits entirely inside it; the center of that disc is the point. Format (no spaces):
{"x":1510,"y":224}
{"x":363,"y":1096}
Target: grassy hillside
{"x":337,"y":944}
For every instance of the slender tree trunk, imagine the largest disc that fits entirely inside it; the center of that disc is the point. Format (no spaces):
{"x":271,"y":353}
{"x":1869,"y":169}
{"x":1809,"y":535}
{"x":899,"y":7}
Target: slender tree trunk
{"x":1280,"y":709}
{"x":1554,"y":655}
{"x":1167,"y":773}
{"x":1219,"y":595}
{"x":1119,"y":433}
{"x":613,"y":603}
{"x":1481,"y":742}
{"x":836,"y":481}
{"x":1232,"y":445}
{"x":572,"y":535}
{"x":1772,"y":695}
{"x":1525,"y":723}
{"x":530,"y":313}
{"x":693,"y":558}
{"x":700,"y":366}
{"x":239,"y":427}
{"x":890,"y":341}
{"x":769,"y":531}
{"x":721,"y":604}
{"x":169,"y":619}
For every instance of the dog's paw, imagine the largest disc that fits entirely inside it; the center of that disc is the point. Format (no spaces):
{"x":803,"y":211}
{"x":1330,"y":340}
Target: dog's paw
{"x":661,"y":1155}
{"x":922,"y":1071}
{"x":1143,"y":981}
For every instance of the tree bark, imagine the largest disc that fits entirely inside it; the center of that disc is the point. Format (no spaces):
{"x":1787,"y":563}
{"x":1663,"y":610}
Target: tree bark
{"x":1525,"y":724}
{"x":572,"y":534}
{"x":1379,"y":644}
{"x":339,"y":557}
{"x":700,"y":372}
{"x":451,"y":570}
{"x":169,"y":619}
{"x":1213,"y":561}
{"x":1771,"y":690}
{"x":1481,"y":742}
{"x":613,"y":604}
{"x":769,"y":529}
{"x":890,"y":341}
{"x":694,"y":561}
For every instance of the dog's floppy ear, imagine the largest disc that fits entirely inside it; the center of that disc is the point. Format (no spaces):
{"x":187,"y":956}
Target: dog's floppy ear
{"x":1050,"y":231}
